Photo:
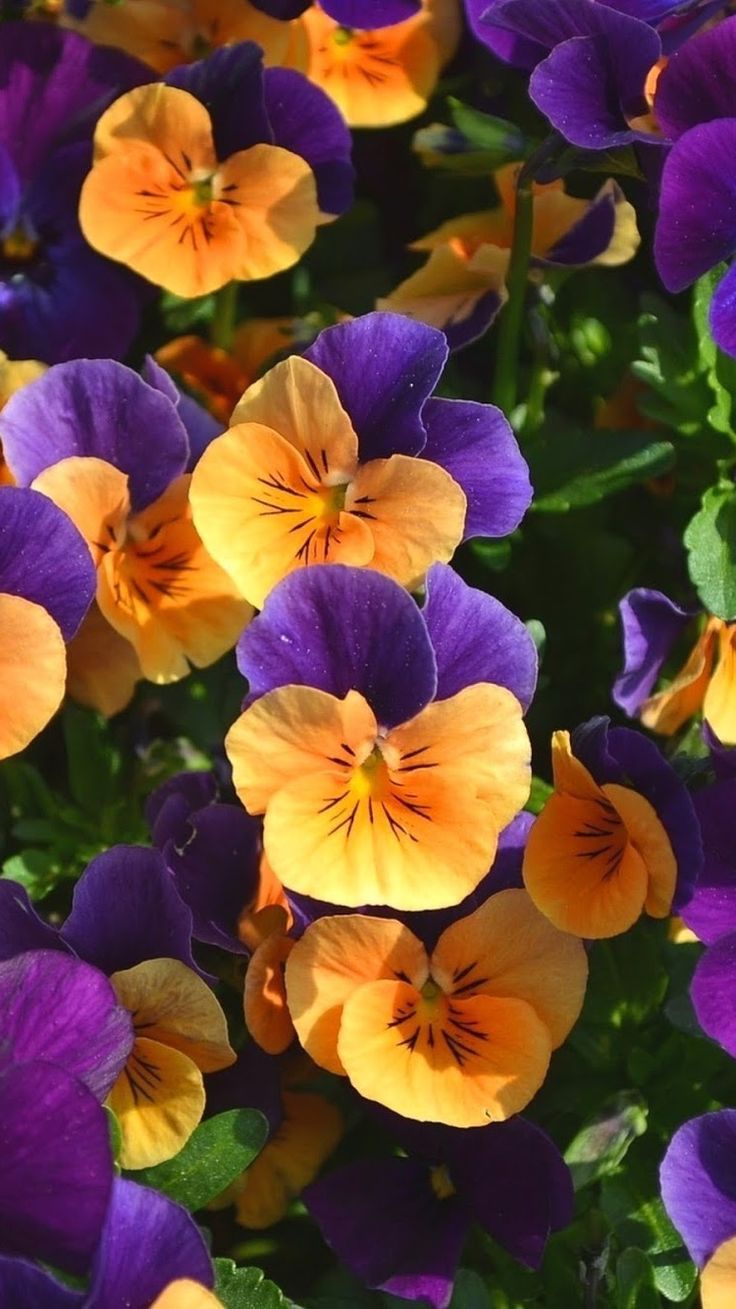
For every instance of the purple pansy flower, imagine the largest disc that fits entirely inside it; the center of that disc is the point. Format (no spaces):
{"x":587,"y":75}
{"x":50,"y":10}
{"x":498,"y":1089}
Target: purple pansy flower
{"x":400,"y":1223}
{"x":58,"y":298}
{"x":348,"y":13}
{"x":698,"y":1180}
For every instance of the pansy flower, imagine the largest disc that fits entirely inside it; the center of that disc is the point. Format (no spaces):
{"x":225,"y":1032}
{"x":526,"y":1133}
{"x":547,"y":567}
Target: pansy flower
{"x":83,"y":435}
{"x":46,"y":587}
{"x":461,"y":287}
{"x":224,"y":174}
{"x":341,"y":456}
{"x":400,"y":1223}
{"x":461,"y":1035}
{"x":618,"y":837}
{"x":652,"y":626}
{"x":384,"y":743}
{"x":697,"y":1178}
{"x":377,"y":75}
{"x":151,"y":1255}
{"x":58,"y":298}
{"x":129,"y":921}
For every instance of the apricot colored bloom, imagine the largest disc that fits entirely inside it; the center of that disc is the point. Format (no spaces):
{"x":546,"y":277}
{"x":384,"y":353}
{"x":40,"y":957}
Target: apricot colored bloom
{"x":377,"y":76}
{"x":338,"y":456}
{"x":461,"y":287}
{"x":384,"y":744}
{"x":618,"y":837}
{"x":459,"y":1036}
{"x":706,"y":683}
{"x":83,"y":434}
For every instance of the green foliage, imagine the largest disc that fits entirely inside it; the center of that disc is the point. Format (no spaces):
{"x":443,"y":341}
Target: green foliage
{"x":245,"y":1288}
{"x":571,"y":469}
{"x":710,"y":541}
{"x":601,"y":1145}
{"x":216,"y":1153}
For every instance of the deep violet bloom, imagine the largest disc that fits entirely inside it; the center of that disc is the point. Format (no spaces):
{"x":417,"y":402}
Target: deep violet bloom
{"x":58,"y":298}
{"x":65,"y":1040}
{"x":400,"y":1224}
{"x":698,"y":1181}
{"x":147,"y":1242}
{"x":348,"y":13}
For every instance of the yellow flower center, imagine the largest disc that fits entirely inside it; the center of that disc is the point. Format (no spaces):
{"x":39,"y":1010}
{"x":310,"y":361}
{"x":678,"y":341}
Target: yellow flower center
{"x":18,"y":246}
{"x":441,"y":1183}
{"x":371,"y":779}
{"x":343,"y":35}
{"x":327,"y":503}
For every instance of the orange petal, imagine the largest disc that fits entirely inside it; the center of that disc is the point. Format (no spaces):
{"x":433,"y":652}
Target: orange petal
{"x":463,"y":1063}
{"x":214,"y":377}
{"x":415,"y":511}
{"x":274,"y":197}
{"x":335,"y":957}
{"x":447,"y":289}
{"x":183,"y":1294}
{"x":650,"y":840}
{"x":718,"y":1278}
{"x":300,"y":402}
{"x":32,"y":672}
{"x":507,"y":948}
{"x":102,"y":667}
{"x":163,"y":592}
{"x":158,"y":1100}
{"x":95,"y":496}
{"x":16,"y":373}
{"x":666,"y":711}
{"x":265,"y":1009}
{"x":291,"y":732}
{"x":719,"y":706}
{"x":173,"y":123}
{"x":171,"y":1004}
{"x":466,"y":234}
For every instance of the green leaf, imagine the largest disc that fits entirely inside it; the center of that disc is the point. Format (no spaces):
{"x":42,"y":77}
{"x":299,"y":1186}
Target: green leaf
{"x":719,"y":368}
{"x":635,"y":1284}
{"x":601,"y":1145}
{"x":710,"y":540}
{"x":570,"y":469}
{"x":628,"y":980}
{"x":116,"y":1133}
{"x":671,"y":366}
{"x":470,"y":1291}
{"x":637,"y":1215}
{"x":245,"y":1288}
{"x":94,"y":763}
{"x":539,"y":795}
{"x":36,"y":870}
{"x":215,"y":1154}
{"x":501,"y":140}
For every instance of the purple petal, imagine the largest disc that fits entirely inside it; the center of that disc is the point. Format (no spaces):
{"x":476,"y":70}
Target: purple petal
{"x":252,"y":1082}
{"x":61,"y":1011}
{"x":651,"y":625}
{"x":216,"y":871}
{"x":500,"y":26}
{"x":722,"y":313}
{"x":697,"y":84}
{"x":55,"y":1167}
{"x":201,"y":426}
{"x":463,"y":331}
{"x":168,"y":807}
{"x":712,"y":911}
{"x":384,"y":1222}
{"x":722,"y":757}
{"x":591,"y":235}
{"x":305,"y":121}
{"x":10,"y":191}
{"x":370,"y":13}
{"x":476,"y":445}
{"x":385,"y":366}
{"x":147,"y":1242}
{"x":698,"y":1178}
{"x":341,"y":629}
{"x":696,"y":227}
{"x":712,"y":991}
{"x":21,"y":928}
{"x":476,"y":639}
{"x":126,"y":909}
{"x":100,"y":408}
{"x":229,"y":83}
{"x":44,"y":558}
{"x":24,"y":1286}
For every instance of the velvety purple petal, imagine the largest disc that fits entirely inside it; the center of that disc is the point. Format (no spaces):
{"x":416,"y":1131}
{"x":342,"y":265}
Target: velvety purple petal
{"x":384,"y":1222}
{"x":252,"y":1082}
{"x":341,"y":629}
{"x":216,"y":871}
{"x":463,"y":331}
{"x":229,"y":83}
{"x":147,"y":1242}
{"x":698,"y":1178}
{"x":100,"y":408}
{"x":61,"y":1011}
{"x":168,"y":807}
{"x":201,"y":426}
{"x":590,"y":236}
{"x":476,"y":638}
{"x":370,"y":13}
{"x":713,"y":988}
{"x":24,"y":1286}
{"x":304,"y":120}
{"x":44,"y":558}
{"x":10,"y":191}
{"x":696,"y":227}
{"x":697,"y":84}
{"x":385,"y":367}
{"x":55,"y":1167}
{"x":651,"y":624}
{"x":53,"y":83}
{"x":589,"y":87}
{"x":476,"y":445}
{"x":499,"y":31}
{"x":712,"y":911}
{"x":126,"y":909}
{"x":21,"y":928}
{"x":722,"y":757}
{"x":722,"y":313}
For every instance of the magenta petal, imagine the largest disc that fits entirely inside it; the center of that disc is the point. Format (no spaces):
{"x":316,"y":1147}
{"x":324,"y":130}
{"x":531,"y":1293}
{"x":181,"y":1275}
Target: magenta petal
{"x":696,"y":227}
{"x":55,"y":1166}
{"x":44,"y":558}
{"x":698,"y":1178}
{"x":475,"y":444}
{"x":61,"y":1011}
{"x":24,"y":1286}
{"x":476,"y":638}
{"x":340,"y":629}
{"x":147,"y":1242}
{"x":385,"y":367}
{"x":713,"y":988}
{"x":697,"y":85}
{"x":651,"y":624}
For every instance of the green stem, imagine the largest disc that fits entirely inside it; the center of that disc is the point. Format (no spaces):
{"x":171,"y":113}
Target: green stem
{"x":509,"y":334}
{"x":222,"y":326}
